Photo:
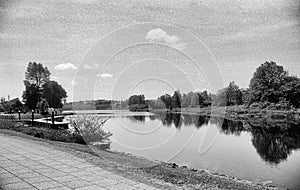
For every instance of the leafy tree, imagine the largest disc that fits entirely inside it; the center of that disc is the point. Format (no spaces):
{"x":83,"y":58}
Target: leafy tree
{"x":230,"y":95}
{"x":137,"y":99}
{"x":17,"y":105}
{"x":35,"y":76}
{"x":167,"y":101}
{"x":43,"y":106}
{"x":246,"y":96}
{"x":291,"y":90}
{"x":266,"y":83}
{"x":53,"y":93}
{"x":271,"y":83}
{"x":5,"y":105}
{"x":31,"y":96}
{"x":176,"y":99}
{"x":201,"y":98}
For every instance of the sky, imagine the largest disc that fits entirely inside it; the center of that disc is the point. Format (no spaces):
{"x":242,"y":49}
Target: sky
{"x":109,"y":49}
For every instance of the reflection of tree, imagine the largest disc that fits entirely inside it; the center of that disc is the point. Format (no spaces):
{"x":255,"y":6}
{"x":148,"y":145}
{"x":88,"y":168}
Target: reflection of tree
{"x":202,"y":120}
{"x":273,"y":141}
{"x":274,"y":144}
{"x":139,"y":118}
{"x":232,"y":127}
{"x":187,"y":119}
{"x":177,"y":120}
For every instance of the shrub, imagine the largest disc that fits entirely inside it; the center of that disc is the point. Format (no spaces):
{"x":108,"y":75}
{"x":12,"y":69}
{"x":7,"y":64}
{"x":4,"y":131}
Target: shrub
{"x":90,"y":128}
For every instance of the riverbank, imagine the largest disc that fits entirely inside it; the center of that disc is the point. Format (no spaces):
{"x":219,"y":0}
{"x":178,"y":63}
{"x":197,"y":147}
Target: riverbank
{"x":239,"y":113}
{"x":159,"y":174}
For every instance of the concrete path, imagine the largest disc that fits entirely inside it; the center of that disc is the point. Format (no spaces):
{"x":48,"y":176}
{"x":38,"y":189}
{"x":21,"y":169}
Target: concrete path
{"x":28,"y":165}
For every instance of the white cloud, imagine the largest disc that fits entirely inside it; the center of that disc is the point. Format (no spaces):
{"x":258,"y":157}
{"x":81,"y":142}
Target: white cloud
{"x":161,"y":35}
{"x":65,"y":66}
{"x":105,"y":75}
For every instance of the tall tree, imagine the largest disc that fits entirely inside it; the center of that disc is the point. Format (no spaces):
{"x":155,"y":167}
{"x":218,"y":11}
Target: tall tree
{"x":266,"y":83}
{"x":291,"y":90}
{"x":176,"y":99}
{"x":167,"y":101}
{"x":53,"y":94}
{"x":35,"y":76}
{"x":231,"y":95}
{"x":31,"y":96}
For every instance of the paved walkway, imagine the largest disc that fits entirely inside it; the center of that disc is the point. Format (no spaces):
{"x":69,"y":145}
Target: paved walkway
{"x":28,"y":165}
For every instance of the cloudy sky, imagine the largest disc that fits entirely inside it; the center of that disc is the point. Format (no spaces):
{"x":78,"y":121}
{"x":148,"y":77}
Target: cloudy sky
{"x":111,"y":49}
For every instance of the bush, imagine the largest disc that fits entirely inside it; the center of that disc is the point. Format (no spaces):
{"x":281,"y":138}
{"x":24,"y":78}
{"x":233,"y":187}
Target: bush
{"x":90,"y":128}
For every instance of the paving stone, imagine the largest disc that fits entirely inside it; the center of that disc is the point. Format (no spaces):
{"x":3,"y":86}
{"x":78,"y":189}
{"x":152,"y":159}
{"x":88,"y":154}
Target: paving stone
{"x":61,"y":188}
{"x":37,"y":179}
{"x":92,"y":187}
{"x":106,"y":182}
{"x":55,"y":174}
{"x":47,"y":185}
{"x":17,"y":186}
{"x":25,"y":164}
{"x":10,"y":180}
{"x":121,"y":186}
{"x":77,"y":183}
{"x":6,"y":175}
{"x":28,"y":175}
{"x":65,"y":178}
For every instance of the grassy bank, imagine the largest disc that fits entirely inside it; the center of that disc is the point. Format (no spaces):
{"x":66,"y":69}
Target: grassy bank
{"x":42,"y":132}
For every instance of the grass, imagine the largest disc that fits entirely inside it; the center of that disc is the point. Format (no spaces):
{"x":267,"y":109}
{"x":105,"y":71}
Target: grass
{"x":42,"y":132}
{"x":88,"y":129}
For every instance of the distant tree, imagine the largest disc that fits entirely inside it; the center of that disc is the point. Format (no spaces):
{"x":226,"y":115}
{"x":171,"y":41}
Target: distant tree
{"x":176,"y":99}
{"x":137,"y":99}
{"x":53,"y":93}
{"x":167,"y":101}
{"x":184,"y":101}
{"x":17,"y":105}
{"x":35,"y":76}
{"x":43,"y":106}
{"x":266,"y":83}
{"x":291,"y":90}
{"x":5,"y":105}
{"x":205,"y":96}
{"x":234,"y":94}
{"x":137,"y":103}
{"x":31,"y":96}
{"x":246,"y":96}
{"x":231,"y":95}
{"x":201,"y":98}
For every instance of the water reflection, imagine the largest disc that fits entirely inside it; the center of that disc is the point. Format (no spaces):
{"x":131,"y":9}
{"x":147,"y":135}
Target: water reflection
{"x":273,"y":141}
{"x":275,"y":144}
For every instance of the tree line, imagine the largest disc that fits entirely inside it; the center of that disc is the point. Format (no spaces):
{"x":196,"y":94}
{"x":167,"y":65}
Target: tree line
{"x":270,"y":86}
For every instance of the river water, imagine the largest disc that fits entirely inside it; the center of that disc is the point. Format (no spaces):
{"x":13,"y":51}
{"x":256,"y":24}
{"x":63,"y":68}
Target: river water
{"x":254,"y":151}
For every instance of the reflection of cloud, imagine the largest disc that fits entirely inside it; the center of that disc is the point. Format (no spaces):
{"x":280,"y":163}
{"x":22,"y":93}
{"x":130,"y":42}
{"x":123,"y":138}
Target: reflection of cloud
{"x":65,"y":66}
{"x":161,"y":35}
{"x":106,"y":75}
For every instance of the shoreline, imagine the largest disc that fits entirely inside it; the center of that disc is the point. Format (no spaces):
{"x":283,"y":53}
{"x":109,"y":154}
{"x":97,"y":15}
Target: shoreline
{"x":239,"y":113}
{"x":145,"y":170}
